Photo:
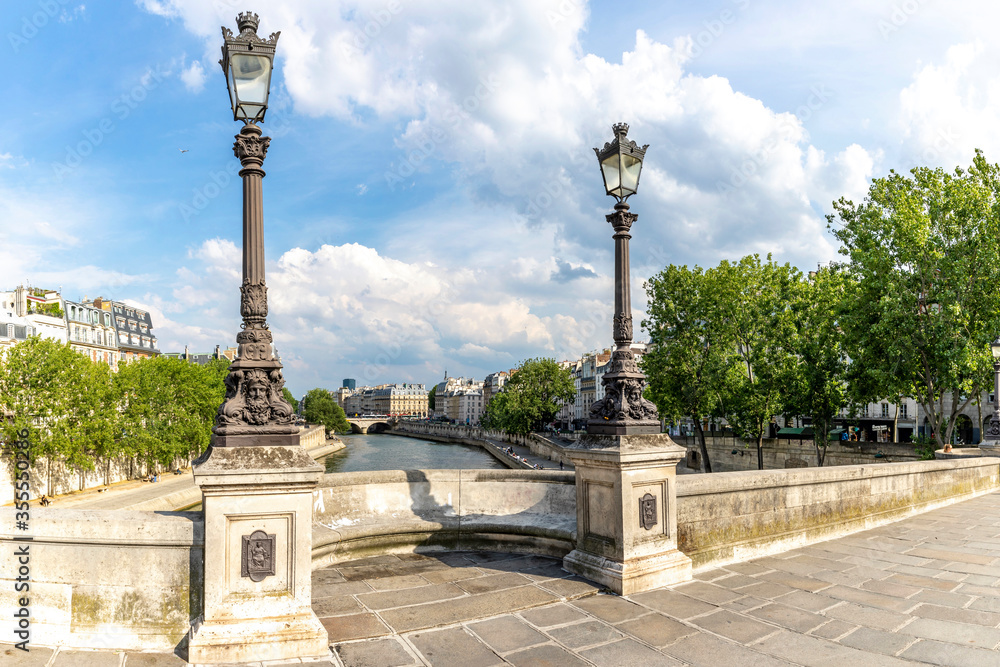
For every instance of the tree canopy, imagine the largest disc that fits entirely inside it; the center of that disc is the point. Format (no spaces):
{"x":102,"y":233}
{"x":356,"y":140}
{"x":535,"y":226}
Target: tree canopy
{"x":320,"y":408}
{"x":924,"y":306}
{"x":531,"y":398}
{"x":78,"y":411}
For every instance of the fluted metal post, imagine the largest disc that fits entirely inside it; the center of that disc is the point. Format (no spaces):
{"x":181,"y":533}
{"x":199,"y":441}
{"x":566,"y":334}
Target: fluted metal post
{"x":255,"y":412}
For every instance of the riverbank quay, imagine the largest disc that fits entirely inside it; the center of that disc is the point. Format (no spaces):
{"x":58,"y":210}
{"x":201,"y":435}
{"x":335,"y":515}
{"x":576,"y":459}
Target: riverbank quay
{"x":172,"y":492}
{"x":921,"y":591}
{"x":530,"y":451}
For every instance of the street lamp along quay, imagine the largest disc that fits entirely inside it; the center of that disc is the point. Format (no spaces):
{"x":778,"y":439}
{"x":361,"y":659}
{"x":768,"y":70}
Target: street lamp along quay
{"x":254,"y":412}
{"x":623,"y":410}
{"x":991,"y":439}
{"x":256,"y":479}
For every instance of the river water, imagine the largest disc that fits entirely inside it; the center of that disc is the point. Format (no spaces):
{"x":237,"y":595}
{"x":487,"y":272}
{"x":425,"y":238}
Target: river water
{"x":393,"y":452}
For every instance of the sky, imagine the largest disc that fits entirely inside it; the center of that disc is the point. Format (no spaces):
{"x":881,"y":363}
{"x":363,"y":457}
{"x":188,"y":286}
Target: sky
{"x":432,"y":201}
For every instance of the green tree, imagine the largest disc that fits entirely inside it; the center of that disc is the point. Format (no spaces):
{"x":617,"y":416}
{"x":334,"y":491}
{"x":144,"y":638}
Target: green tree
{"x":320,"y":408}
{"x":290,"y":398}
{"x":818,"y":389}
{"x":61,"y":398}
{"x":167,"y":407}
{"x":755,"y":314}
{"x":531,"y":398}
{"x":431,"y":395}
{"x":687,"y":361}
{"x":924,"y":251}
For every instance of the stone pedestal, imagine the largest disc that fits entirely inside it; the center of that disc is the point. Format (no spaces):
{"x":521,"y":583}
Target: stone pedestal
{"x":258,"y":544}
{"x":626,"y":512}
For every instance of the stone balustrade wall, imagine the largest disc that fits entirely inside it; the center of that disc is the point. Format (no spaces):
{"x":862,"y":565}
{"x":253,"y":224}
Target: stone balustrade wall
{"x":105,"y":579}
{"x":735,"y":516}
{"x":362,"y":513}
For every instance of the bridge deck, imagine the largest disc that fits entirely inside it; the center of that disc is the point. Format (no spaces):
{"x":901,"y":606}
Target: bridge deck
{"x":925,"y":590}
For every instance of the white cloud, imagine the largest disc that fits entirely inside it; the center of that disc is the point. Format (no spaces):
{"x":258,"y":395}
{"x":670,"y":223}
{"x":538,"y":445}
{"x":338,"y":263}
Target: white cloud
{"x":193,"y":77}
{"x":952,"y":108}
{"x":349,"y":309}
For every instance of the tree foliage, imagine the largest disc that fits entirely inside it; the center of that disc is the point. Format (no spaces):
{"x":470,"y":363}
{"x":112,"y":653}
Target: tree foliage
{"x":320,"y":408}
{"x":290,"y":398}
{"x":79,"y":412}
{"x":531,"y":398}
{"x":754,"y":310}
{"x":924,"y":252}
{"x":818,"y":388}
{"x":687,"y":361}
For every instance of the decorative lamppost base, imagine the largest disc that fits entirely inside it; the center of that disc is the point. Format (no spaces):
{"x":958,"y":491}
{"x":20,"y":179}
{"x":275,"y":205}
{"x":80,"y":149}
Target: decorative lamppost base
{"x":258,"y":553}
{"x":626,"y":512}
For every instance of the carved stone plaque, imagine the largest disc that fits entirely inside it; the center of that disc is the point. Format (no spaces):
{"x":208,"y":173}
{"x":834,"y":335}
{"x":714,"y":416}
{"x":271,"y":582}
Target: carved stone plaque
{"x":647,"y":511}
{"x":258,"y":556}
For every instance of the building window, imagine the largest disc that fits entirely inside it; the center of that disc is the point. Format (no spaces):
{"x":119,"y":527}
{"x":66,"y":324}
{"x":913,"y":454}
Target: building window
{"x":885,"y":409}
{"x":902,"y":411}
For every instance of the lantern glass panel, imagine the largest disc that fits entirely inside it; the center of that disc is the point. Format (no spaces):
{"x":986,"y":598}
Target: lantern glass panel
{"x":995,"y":348}
{"x":631,"y":166}
{"x":251,"y":77}
{"x":612,"y":177}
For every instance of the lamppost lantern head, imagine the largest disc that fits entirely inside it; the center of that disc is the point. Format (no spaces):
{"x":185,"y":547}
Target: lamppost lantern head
{"x":247,"y":61}
{"x":995,"y":349}
{"x":621,"y":163}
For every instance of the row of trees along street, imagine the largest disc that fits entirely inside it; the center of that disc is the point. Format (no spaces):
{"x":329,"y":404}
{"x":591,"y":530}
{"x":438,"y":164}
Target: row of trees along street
{"x":152,"y":411}
{"x":911,"y":312}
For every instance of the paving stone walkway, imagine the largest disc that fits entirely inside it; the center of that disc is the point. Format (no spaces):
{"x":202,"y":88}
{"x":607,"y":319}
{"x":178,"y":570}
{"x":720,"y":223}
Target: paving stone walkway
{"x":921,"y":591}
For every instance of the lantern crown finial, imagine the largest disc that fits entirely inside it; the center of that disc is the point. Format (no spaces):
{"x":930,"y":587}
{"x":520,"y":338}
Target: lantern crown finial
{"x":247,"y":22}
{"x":620,"y":129}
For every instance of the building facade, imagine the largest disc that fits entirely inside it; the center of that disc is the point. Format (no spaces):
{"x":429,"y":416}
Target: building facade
{"x":134,"y":327}
{"x":401,"y":400}
{"x":27,"y":311}
{"x":92,"y":333}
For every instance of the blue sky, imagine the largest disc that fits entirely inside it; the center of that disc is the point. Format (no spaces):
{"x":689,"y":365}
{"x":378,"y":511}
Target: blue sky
{"x":432,"y":202}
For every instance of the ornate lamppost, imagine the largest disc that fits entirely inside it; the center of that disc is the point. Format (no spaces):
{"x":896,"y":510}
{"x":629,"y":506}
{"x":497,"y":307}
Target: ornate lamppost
{"x":990,"y":442}
{"x":623,"y":410}
{"x":255,"y":412}
{"x":626,"y":470}
{"x":256,"y":480}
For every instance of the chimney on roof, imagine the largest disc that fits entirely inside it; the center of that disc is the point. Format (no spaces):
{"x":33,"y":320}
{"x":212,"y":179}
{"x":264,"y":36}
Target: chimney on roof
{"x":186,"y":352}
{"x":218,"y":353}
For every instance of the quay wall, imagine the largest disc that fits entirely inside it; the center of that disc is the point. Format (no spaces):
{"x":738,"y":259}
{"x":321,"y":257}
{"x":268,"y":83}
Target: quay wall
{"x":477,"y":436}
{"x":105,"y":579}
{"x":781,"y":453}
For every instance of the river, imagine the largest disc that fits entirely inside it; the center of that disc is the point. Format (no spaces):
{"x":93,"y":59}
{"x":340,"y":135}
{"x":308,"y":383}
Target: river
{"x":394,"y":452}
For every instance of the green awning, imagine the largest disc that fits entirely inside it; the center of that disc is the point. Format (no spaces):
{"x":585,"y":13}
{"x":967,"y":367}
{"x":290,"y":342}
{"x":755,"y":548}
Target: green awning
{"x":835,"y":434}
{"x":795,"y":432}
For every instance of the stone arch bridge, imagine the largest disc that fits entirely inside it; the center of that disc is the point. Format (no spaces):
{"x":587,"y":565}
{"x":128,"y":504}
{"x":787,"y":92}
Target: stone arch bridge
{"x":370,"y":424}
